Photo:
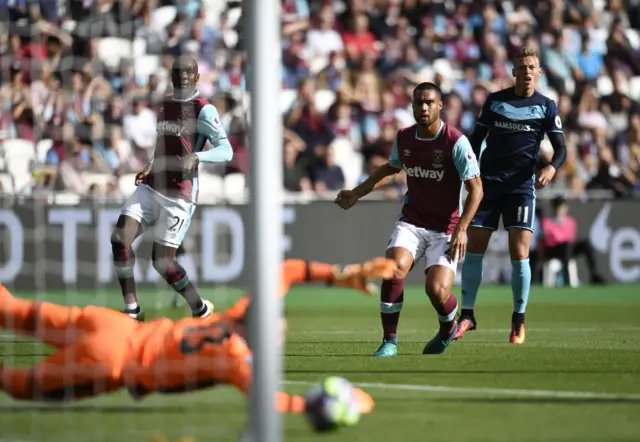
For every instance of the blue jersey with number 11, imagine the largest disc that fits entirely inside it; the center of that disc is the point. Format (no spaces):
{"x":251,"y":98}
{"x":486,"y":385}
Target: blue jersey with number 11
{"x":516,"y":127}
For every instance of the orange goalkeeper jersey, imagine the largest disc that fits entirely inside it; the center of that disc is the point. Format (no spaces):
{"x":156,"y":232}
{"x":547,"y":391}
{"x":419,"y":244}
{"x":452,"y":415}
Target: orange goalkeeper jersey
{"x":170,"y":356}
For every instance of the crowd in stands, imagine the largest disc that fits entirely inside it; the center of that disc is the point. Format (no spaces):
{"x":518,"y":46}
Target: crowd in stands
{"x":79,"y":80}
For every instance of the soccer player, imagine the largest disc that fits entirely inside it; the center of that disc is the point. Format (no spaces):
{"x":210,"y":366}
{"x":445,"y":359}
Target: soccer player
{"x":100,"y":350}
{"x":437,"y":159}
{"x":514,"y":122}
{"x":168,"y":188}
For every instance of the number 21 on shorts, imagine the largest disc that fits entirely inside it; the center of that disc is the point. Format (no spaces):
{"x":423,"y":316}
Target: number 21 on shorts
{"x":175,"y":223}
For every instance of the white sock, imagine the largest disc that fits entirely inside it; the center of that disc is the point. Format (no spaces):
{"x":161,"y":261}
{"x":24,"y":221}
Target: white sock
{"x":132,"y":306}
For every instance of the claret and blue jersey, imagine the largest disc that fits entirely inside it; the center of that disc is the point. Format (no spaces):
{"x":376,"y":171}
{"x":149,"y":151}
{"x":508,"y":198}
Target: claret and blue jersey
{"x":514,"y":126}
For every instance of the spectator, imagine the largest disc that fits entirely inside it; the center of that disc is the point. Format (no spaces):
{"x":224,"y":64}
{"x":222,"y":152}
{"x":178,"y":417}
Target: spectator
{"x":296,"y":178}
{"x":323,"y":39}
{"x":560,"y":241}
{"x":328,"y":175}
{"x":353,"y":64}
{"x":140,"y":125}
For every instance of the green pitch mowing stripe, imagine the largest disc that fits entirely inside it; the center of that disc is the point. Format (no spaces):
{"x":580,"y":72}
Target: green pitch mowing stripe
{"x":577,"y":378}
{"x":578,"y":395}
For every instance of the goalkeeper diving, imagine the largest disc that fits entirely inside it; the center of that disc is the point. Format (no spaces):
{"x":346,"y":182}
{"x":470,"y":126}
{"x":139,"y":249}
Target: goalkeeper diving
{"x":99,"y":350}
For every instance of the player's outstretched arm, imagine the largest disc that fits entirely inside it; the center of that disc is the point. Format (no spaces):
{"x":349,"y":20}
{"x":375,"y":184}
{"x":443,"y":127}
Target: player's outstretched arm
{"x":347,"y":198}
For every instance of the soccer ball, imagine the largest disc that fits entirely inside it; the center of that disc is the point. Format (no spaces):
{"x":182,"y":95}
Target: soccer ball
{"x":332,"y":404}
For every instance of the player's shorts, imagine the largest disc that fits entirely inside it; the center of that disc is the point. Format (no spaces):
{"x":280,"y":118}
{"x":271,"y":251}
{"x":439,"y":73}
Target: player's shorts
{"x":516,"y":207}
{"x":434,"y":246}
{"x":170,"y":217}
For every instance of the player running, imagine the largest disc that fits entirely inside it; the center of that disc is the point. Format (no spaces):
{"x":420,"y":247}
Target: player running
{"x":100,"y":350}
{"x":437,"y":159}
{"x":514,"y":122}
{"x":168,"y":188}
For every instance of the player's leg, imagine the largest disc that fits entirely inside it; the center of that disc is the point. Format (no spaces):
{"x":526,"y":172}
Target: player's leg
{"x":404,"y":247}
{"x":440,"y":272}
{"x":173,"y":223}
{"x":485,"y":222}
{"x":518,"y":218}
{"x":176,"y":298}
{"x":50,"y":323}
{"x":176,"y":276}
{"x":76,"y":372}
{"x":138,"y":212}
{"x":54,"y":324}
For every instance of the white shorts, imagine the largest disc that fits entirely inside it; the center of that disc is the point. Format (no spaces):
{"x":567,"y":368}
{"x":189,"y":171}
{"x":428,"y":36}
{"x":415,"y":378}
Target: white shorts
{"x":170,"y":217}
{"x":422,"y":242}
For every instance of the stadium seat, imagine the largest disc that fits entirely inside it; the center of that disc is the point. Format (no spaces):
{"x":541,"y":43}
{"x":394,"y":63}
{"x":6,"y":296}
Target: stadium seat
{"x":233,"y":17}
{"x":234,"y":187}
{"x":211,"y":187}
{"x":551,"y":93}
{"x":324,"y":99}
{"x":604,"y":85}
{"x":634,"y":88}
{"x":18,"y":148}
{"x":634,"y":38}
{"x":318,"y":64}
{"x":139,"y":48}
{"x":349,"y":160}
{"x":127,"y":184}
{"x":66,"y":199}
{"x":7,"y":184}
{"x":214,"y":9}
{"x":112,"y":49}
{"x":20,"y":170}
{"x":599,"y":39}
{"x":552,"y":269}
{"x":42,"y":147}
{"x":443,"y":67}
{"x":162,"y":17}
{"x":101,"y":179}
{"x":287,"y":97}
{"x":146,"y":65}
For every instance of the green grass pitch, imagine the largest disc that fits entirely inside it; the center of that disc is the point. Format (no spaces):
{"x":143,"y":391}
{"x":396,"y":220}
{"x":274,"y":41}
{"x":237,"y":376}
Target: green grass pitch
{"x":577,"y":378}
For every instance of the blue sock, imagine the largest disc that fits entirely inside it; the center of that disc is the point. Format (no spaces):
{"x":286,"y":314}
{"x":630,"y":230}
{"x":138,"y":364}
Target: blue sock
{"x":520,"y":284}
{"x":471,"y":278}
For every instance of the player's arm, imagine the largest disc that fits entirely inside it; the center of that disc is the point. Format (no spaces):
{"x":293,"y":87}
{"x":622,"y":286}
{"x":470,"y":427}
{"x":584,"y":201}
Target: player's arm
{"x":238,"y":310}
{"x":210,"y":127}
{"x":556,"y":137}
{"x":467,"y":166}
{"x":481,"y":128}
{"x":377,"y":179}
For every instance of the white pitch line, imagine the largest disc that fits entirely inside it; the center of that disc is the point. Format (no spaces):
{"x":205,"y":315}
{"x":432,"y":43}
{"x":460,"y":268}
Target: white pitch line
{"x":484,"y":330}
{"x":491,"y":391}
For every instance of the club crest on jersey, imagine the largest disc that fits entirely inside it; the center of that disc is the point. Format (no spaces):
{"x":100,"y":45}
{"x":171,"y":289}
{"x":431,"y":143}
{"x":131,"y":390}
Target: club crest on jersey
{"x":187,"y":113}
{"x":438,"y":158}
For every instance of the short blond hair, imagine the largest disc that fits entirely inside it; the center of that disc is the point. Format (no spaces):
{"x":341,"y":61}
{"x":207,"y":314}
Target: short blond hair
{"x":527,"y":51}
